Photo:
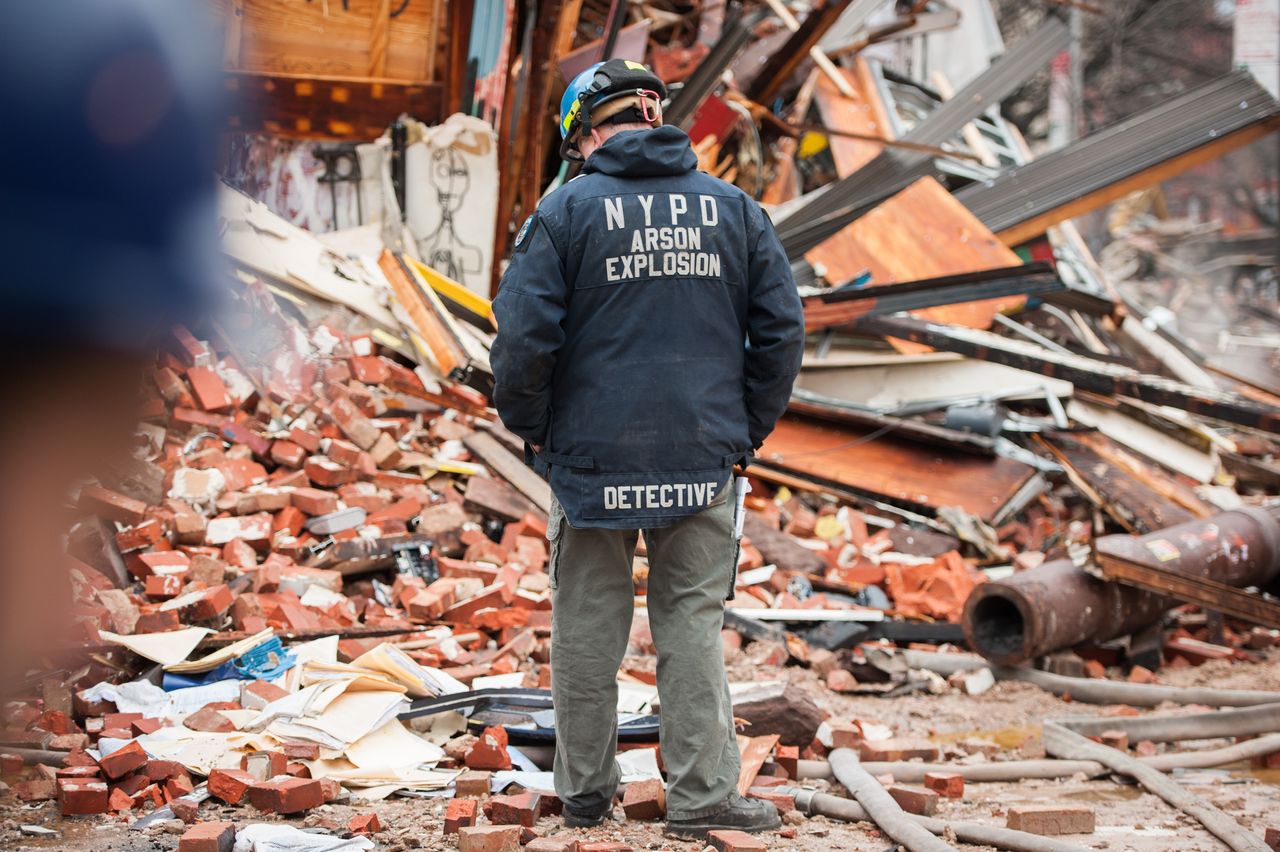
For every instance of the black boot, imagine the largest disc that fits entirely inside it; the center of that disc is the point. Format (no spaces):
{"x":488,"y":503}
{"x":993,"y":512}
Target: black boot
{"x":572,"y":820}
{"x":748,"y":815}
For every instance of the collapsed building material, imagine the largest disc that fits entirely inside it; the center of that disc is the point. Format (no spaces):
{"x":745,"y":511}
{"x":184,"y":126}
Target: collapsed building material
{"x":1063,"y":742}
{"x":846,"y":304}
{"x":875,"y":463}
{"x":1093,"y":690}
{"x":1058,"y":605}
{"x":821,"y":804}
{"x":1209,"y":594}
{"x":1086,"y":373}
{"x":880,"y":806}
{"x":821,"y":214}
{"x":1159,"y":143}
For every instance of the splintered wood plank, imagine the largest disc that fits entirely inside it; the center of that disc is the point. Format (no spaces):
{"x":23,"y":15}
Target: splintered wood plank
{"x":495,"y":497}
{"x":926,"y":478}
{"x":1137,"y":505}
{"x":753,"y":752}
{"x":506,"y":465}
{"x":922,"y":232}
{"x":863,"y":115}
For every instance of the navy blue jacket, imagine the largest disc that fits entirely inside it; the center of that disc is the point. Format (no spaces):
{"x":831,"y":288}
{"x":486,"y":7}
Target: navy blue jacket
{"x":649,"y":332}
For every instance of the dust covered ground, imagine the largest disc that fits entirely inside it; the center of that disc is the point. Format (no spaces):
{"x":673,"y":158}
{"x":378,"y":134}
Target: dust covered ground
{"x":1008,"y":715}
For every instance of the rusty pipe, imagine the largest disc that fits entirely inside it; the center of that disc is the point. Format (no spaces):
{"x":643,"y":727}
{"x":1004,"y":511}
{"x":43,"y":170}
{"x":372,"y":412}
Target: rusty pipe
{"x":1058,"y":605}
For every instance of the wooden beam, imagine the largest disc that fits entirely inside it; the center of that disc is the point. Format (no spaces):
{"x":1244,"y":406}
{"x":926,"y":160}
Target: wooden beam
{"x":803,"y":42}
{"x":1034,"y":227}
{"x":1209,"y":594}
{"x":234,"y":31}
{"x":351,"y":108}
{"x":379,"y":38}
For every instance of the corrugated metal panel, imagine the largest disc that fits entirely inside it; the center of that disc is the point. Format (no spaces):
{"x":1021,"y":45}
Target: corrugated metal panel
{"x":851,"y":196}
{"x":1199,"y":117}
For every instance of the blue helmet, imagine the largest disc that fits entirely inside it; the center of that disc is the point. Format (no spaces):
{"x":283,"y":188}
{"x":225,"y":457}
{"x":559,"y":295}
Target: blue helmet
{"x":602,"y":83}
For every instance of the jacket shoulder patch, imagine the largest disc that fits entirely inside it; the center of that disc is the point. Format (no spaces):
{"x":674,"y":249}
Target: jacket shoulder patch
{"x":522,"y":237}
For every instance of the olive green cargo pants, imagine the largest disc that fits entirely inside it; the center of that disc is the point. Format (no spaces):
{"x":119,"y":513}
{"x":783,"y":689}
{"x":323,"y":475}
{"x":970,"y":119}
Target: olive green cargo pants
{"x":691,"y":568}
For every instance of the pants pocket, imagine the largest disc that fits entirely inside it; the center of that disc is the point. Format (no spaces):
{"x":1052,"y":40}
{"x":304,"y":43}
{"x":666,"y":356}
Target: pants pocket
{"x":555,"y":533}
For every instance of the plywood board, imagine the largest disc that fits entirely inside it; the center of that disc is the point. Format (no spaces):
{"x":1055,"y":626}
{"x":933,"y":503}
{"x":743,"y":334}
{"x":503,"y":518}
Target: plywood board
{"x":863,"y":115}
{"x":922,"y":232}
{"x":334,"y":38}
{"x":899,"y":471}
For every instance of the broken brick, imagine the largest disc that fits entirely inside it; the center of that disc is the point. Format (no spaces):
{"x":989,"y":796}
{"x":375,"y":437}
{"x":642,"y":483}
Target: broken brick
{"x":208,"y":837}
{"x":364,"y":824}
{"x":948,"y":784}
{"x":735,"y":841}
{"x":123,"y":760}
{"x":521,"y":809}
{"x":286,"y":796}
{"x":472,"y":783}
{"x":79,"y":797}
{"x":490,"y":750}
{"x":915,"y":800}
{"x":645,"y":800}
{"x":489,"y":838}
{"x":230,"y":785}
{"x":1051,"y":819}
{"x":459,"y":813}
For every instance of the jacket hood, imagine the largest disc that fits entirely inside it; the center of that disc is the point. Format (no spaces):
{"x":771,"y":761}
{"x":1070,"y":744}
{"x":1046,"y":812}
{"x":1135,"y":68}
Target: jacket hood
{"x":644,"y":153}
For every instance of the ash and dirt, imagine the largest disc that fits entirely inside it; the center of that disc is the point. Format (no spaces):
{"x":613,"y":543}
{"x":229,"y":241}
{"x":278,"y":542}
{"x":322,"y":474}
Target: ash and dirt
{"x":1008,"y":715}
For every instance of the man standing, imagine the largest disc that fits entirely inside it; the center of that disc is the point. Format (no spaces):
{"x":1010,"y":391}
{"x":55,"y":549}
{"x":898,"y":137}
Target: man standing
{"x":649,"y":335}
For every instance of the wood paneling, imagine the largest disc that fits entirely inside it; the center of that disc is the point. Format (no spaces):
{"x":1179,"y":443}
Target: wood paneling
{"x":333,"y":38}
{"x":326,"y":107}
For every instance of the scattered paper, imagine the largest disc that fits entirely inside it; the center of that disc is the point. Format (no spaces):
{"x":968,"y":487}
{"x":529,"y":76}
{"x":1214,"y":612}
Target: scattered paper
{"x":163,"y":648}
{"x":392,"y":747}
{"x":274,"y":837}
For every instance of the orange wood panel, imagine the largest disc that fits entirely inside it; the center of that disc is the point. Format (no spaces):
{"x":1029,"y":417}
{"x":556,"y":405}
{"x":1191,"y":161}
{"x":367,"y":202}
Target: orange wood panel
{"x":901,"y":470}
{"x":864,"y":116}
{"x":922,"y":232}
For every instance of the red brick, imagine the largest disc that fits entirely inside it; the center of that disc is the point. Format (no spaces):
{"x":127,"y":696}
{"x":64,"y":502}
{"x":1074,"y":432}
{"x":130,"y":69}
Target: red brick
{"x":459,"y":813}
{"x":162,"y":770}
{"x":209,"y":721}
{"x":343,"y":452}
{"x":489,"y":838}
{"x":553,"y":844}
{"x":490,"y":750}
{"x":915,"y":800}
{"x":112,"y":505}
{"x":288,"y":453}
{"x":76,"y":797}
{"x":208,"y":837}
{"x":735,"y":841}
{"x":139,"y":727}
{"x":230,"y":785}
{"x":123,"y":760}
{"x":1051,"y":819}
{"x":212,"y":603}
{"x":301,"y":751}
{"x":265,"y":765}
{"x":364,"y":824}
{"x":187,"y":810}
{"x":1272,"y":837}
{"x":289,"y":521}
{"x":254,"y":695}
{"x":898,"y":749}
{"x":209,"y":390}
{"x":644,"y":800}
{"x":949,"y":784}
{"x":163,"y":562}
{"x":1115,"y":739}
{"x":119,"y":800}
{"x":254,"y":529}
{"x":10,"y":763}
{"x":177,"y":787}
{"x":328,"y":473}
{"x":473,"y":783}
{"x":287,"y":796}
{"x":158,"y":622}
{"x":521,"y":809}
{"x":36,"y":789}
{"x":1094,"y":669}
{"x":84,"y":773}
{"x":163,"y":586}
{"x":782,"y":801}
{"x":313,"y":501}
